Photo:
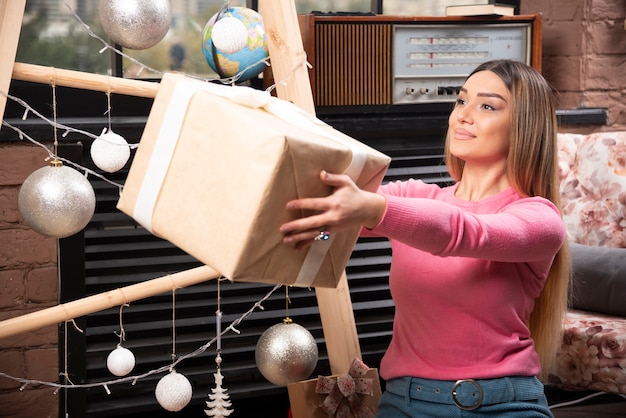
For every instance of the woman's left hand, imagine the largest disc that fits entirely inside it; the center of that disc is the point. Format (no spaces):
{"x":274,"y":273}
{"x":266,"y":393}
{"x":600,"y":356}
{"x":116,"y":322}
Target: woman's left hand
{"x":346,"y":207}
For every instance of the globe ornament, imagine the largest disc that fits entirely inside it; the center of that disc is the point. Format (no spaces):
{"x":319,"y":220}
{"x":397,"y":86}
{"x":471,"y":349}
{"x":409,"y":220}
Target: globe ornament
{"x":245,"y":63}
{"x":121,"y":361}
{"x":56,"y":201}
{"x":135,"y":24}
{"x":110,"y":152}
{"x":286,"y":353}
{"x":173,"y":392}
{"x":229,"y":35}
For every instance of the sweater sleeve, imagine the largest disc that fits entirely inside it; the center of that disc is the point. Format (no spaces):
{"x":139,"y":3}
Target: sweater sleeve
{"x":523,"y":230}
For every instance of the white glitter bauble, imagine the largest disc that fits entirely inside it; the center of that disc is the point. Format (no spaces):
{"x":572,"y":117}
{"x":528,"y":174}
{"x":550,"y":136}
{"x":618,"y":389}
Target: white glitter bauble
{"x":173,"y":392}
{"x":120,"y":361}
{"x":110,"y":152}
{"x":135,"y":24}
{"x":286,"y":353}
{"x":229,"y":34}
{"x":56,"y":201}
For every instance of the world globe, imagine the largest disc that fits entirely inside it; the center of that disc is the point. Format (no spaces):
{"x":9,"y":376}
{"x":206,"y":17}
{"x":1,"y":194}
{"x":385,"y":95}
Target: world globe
{"x":249,"y":59}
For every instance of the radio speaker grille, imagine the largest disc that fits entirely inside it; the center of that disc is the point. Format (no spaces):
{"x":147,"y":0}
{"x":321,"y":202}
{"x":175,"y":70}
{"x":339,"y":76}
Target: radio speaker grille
{"x":352,"y":64}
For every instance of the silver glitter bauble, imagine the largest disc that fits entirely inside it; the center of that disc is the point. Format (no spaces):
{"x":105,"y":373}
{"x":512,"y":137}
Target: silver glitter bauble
{"x":56,"y":201}
{"x":286,"y":353}
{"x":173,"y":392}
{"x":135,"y":24}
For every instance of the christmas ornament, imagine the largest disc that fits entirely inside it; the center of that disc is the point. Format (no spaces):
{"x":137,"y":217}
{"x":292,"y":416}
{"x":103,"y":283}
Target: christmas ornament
{"x":135,"y":24}
{"x":110,"y":152}
{"x":56,"y":200}
{"x":245,"y":63}
{"x":286,"y":353}
{"x":218,"y":402}
{"x":173,"y":392}
{"x":229,"y":34}
{"x":120,"y":361}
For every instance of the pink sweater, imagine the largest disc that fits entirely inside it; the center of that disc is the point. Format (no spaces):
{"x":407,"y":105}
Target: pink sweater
{"x":464,"y":277}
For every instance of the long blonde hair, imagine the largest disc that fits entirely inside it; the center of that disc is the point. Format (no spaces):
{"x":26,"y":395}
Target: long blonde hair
{"x":532,"y":169}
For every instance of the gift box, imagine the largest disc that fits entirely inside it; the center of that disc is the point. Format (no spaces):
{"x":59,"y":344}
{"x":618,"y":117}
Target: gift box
{"x":351,"y":395}
{"x":217,"y":164}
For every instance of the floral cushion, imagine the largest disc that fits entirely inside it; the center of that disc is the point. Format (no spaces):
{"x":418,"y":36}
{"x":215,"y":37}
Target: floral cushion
{"x":593,"y":353}
{"x":593,"y":187}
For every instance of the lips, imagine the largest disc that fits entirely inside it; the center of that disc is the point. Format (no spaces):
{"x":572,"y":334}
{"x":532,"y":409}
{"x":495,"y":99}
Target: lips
{"x":462,"y":134}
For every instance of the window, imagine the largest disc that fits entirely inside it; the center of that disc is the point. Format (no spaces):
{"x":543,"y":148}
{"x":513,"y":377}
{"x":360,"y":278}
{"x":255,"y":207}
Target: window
{"x":52,"y":35}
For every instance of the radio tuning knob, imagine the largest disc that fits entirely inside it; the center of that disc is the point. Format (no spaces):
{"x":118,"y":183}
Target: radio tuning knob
{"x":409,"y":90}
{"x":424,"y":90}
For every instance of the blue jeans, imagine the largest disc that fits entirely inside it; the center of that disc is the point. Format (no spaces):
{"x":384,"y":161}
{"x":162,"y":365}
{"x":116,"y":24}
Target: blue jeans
{"x":407,"y":397}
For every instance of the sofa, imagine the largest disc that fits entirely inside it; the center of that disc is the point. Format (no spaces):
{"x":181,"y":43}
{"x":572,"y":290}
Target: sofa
{"x":592,"y":172}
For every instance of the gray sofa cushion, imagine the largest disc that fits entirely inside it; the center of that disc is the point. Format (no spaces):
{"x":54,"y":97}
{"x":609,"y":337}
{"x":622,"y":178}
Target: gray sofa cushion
{"x":599,"y":279}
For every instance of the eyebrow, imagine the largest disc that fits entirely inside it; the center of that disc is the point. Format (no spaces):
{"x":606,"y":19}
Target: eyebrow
{"x":495,"y":95}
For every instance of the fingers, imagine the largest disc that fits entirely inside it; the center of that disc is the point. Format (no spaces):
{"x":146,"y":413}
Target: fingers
{"x":302,"y":232}
{"x":335,"y":180}
{"x":321,"y":203}
{"x":302,"y":236}
{"x":312,"y":203}
{"x":302,"y":228}
{"x":302,"y":239}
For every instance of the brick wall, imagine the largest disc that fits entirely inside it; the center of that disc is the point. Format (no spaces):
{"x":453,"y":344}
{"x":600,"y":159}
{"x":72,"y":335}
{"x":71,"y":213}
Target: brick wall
{"x":584,"y":54}
{"x":28,"y":282}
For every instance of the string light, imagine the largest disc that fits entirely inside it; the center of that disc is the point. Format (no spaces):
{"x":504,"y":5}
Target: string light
{"x":105,"y":44}
{"x":142,"y":66}
{"x":68,"y":129}
{"x":165,"y":368}
{"x":23,"y":135}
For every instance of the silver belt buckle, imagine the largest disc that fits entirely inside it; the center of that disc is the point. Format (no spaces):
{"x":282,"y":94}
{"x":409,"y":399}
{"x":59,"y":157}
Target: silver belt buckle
{"x":458,"y":403}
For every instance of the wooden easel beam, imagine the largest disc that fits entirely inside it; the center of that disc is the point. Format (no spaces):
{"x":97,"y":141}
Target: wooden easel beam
{"x":81,"y":80}
{"x":287,"y":59}
{"x":106,"y":300}
{"x":11,"y":15}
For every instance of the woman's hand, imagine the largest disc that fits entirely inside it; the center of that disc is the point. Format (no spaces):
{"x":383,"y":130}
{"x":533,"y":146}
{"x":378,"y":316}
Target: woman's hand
{"x":346,"y":207}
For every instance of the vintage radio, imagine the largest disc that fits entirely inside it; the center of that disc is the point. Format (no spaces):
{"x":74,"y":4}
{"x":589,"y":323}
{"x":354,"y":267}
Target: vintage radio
{"x":387,"y":61}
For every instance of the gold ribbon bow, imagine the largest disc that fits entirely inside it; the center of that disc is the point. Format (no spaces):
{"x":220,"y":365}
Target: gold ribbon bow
{"x":345,"y":392}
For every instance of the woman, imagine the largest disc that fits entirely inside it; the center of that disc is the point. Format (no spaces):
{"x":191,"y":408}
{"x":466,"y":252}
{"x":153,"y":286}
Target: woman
{"x":477,"y":267}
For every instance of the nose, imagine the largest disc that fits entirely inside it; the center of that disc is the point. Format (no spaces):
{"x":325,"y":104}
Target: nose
{"x":463,"y":114}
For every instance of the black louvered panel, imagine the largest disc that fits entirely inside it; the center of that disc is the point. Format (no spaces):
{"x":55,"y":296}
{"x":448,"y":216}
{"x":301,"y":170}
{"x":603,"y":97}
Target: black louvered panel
{"x":124,"y":254}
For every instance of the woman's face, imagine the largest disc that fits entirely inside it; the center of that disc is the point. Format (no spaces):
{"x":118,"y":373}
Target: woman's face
{"x":479,"y":125}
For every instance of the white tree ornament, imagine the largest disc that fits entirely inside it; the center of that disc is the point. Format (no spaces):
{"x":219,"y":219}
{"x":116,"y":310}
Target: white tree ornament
{"x":219,"y":402}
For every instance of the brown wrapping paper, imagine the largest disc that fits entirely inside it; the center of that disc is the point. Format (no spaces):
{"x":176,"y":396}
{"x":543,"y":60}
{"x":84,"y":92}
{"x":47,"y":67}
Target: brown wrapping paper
{"x":305,"y":402}
{"x":219,"y":164}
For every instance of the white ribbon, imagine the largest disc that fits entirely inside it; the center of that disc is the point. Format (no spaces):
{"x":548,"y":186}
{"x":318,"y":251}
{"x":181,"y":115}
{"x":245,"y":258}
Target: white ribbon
{"x":168,"y":136}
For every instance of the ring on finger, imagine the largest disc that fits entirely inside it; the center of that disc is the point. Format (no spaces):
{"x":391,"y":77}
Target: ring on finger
{"x":324,"y":235}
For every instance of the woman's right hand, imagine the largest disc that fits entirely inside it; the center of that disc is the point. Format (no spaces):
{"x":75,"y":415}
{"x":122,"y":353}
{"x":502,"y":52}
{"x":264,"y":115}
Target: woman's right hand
{"x":346,"y":207}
